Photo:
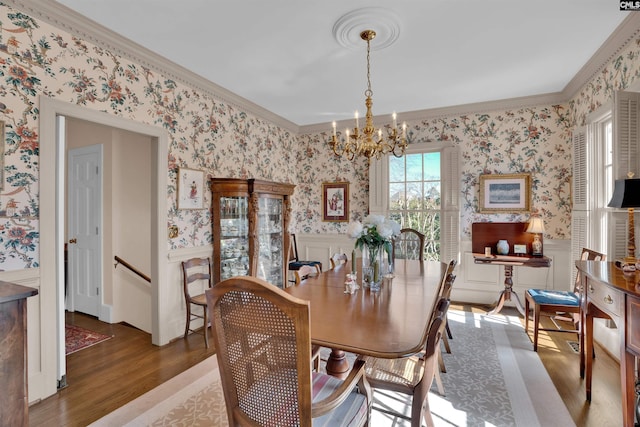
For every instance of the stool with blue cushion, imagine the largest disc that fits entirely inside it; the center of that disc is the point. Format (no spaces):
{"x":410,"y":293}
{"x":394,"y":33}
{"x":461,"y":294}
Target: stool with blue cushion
{"x":555,"y":301}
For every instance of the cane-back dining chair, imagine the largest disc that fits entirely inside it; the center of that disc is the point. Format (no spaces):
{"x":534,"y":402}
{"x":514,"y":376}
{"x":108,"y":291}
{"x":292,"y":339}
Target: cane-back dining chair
{"x":412,"y":375}
{"x":294,"y":260}
{"x":409,"y":244}
{"x":196,"y":273}
{"x":553,"y":302}
{"x":263,"y":347}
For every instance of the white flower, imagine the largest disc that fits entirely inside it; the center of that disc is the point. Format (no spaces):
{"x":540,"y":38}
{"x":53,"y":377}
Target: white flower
{"x":354,"y":229}
{"x":385,"y":230}
{"x":376,"y":220}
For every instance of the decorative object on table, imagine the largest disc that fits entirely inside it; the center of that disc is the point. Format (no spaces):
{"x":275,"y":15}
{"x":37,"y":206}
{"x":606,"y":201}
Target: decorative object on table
{"x":368,"y":141}
{"x":374,"y":239}
{"x":505,"y":193}
{"x":335,"y":201}
{"x":626,"y":194}
{"x":536,"y":227}
{"x":351,"y":285}
{"x":190,"y":189}
{"x":503,"y":247}
{"x":520,"y":249}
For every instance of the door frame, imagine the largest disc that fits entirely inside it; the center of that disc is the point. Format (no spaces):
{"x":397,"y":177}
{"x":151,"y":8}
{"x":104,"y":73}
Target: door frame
{"x":52,"y":205}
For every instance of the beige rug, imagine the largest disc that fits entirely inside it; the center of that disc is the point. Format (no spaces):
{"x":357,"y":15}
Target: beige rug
{"x":494,"y":379}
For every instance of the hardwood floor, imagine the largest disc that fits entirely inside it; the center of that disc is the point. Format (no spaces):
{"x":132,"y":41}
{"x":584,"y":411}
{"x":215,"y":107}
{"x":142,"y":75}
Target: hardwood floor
{"x":110,"y":374}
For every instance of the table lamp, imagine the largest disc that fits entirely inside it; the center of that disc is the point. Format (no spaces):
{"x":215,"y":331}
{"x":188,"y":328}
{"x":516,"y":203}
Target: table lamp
{"x":536,"y":226}
{"x":626,"y":194}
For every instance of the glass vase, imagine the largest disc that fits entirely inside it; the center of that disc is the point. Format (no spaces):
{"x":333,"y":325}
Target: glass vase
{"x":374,"y":266}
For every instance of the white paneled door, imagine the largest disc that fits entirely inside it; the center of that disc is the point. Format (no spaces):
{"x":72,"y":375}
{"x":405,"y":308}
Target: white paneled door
{"x":84,"y":229}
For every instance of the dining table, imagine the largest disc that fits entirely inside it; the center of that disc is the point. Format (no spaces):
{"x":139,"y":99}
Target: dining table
{"x":390,"y":323}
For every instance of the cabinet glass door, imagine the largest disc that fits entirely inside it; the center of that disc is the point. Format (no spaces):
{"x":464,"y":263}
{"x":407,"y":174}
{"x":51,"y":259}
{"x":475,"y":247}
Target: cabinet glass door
{"x":234,"y":237}
{"x":270,"y":239}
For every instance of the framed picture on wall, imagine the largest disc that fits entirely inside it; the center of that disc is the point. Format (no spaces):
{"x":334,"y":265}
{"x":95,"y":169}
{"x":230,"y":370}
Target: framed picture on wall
{"x":335,"y":201}
{"x":190,"y":189}
{"x":505,"y":193}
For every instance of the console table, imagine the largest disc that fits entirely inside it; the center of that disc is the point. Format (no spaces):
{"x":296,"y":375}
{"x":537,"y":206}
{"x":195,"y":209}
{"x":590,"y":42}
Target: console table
{"x":14,"y":402}
{"x":487,"y":234}
{"x":508,"y":262}
{"x":608,"y":292}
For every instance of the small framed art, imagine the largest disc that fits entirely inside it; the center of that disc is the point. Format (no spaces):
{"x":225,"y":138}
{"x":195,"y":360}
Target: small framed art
{"x":190,"y":189}
{"x":335,"y":201}
{"x":505,"y":193}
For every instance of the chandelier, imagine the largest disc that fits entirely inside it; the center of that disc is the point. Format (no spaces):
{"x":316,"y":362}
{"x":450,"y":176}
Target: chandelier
{"x":369,"y":141}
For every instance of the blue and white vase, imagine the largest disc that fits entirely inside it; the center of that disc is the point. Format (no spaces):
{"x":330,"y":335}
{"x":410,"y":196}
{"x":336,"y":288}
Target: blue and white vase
{"x":503,"y":247}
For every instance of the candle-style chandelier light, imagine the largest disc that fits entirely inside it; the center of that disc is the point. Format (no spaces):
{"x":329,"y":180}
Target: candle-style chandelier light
{"x":369,"y":141}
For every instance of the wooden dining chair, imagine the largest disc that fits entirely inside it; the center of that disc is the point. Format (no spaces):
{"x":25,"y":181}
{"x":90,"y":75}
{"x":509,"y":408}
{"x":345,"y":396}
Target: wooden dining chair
{"x":409,"y":244}
{"x":338,"y":259}
{"x":263,"y":346}
{"x":196,"y":272}
{"x":305,"y":271}
{"x":553,"y":302}
{"x":294,"y":260}
{"x":412,"y":375}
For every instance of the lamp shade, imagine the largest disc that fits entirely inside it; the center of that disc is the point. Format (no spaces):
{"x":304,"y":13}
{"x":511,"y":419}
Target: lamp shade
{"x":626,"y":193}
{"x":536,"y":225}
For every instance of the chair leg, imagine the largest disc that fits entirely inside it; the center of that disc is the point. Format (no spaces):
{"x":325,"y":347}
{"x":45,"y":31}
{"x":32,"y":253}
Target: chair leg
{"x":439,"y":383}
{"x":443,"y":369}
{"x":526,"y":314}
{"x":205,"y":327}
{"x":448,"y":332}
{"x":188,"y":322}
{"x":536,"y":325}
{"x":445,"y":340}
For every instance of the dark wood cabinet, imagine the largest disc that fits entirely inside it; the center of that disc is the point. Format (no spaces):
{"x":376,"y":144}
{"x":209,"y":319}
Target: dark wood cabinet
{"x":14,"y":400}
{"x":250,"y":223}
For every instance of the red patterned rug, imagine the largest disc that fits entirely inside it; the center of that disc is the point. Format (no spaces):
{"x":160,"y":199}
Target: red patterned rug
{"x":77,"y":338}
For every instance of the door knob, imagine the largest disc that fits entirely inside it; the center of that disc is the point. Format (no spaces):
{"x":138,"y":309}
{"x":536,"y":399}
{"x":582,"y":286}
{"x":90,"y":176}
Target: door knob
{"x":74,"y":240}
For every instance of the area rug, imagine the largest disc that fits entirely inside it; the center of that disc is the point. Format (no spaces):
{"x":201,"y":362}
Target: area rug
{"x":77,"y":338}
{"x":493,"y":378}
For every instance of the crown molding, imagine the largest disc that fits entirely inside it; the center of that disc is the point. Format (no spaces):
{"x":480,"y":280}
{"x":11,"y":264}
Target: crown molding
{"x":455,"y":110}
{"x":76,"y":24}
{"x":615,"y":43}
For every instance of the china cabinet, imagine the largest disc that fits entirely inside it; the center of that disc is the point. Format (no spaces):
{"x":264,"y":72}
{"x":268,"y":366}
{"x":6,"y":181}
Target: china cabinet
{"x":250,"y":222}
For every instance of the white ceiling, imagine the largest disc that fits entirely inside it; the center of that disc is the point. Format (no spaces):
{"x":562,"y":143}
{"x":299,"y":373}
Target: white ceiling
{"x":282,"y":55}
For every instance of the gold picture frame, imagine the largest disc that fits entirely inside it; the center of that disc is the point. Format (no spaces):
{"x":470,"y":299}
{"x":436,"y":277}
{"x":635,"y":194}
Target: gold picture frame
{"x":335,"y":201}
{"x":505,"y":193}
{"x":190,"y":188}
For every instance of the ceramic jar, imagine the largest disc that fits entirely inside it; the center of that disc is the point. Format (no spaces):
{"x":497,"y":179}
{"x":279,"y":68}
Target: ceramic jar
{"x":503,"y":247}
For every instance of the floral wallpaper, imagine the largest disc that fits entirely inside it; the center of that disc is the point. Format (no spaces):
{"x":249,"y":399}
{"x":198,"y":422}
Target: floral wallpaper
{"x":38,"y":59}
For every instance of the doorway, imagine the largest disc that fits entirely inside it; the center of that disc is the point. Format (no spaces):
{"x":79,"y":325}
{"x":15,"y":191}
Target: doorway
{"x":52,"y":217}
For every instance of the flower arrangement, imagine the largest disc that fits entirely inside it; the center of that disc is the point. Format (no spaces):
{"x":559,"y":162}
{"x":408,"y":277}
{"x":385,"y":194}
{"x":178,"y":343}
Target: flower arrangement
{"x":375,"y":232}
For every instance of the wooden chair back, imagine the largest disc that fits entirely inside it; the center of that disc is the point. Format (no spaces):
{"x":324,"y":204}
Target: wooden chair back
{"x":338,"y":259}
{"x":409,"y":244}
{"x":587,"y":255}
{"x":305,"y":271}
{"x":263,"y":346}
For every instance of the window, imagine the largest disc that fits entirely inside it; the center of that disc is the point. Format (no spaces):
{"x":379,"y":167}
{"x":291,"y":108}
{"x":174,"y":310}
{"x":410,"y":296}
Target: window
{"x":415,"y":196}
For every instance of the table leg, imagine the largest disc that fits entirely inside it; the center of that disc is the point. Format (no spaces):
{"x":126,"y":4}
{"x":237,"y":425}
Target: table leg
{"x":507,"y":293}
{"x":337,"y":364}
